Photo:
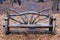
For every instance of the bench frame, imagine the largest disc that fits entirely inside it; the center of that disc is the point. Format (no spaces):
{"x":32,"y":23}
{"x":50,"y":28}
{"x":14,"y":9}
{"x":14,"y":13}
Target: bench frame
{"x":51,"y":26}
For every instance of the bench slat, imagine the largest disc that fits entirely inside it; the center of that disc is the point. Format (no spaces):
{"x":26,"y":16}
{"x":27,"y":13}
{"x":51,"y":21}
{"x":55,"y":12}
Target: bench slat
{"x":30,"y":32}
{"x":30,"y":25}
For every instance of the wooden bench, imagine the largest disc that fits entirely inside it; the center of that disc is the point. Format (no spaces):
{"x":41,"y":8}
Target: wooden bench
{"x":32,"y":24}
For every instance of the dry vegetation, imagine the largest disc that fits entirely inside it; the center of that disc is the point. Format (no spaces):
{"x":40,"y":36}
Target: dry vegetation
{"x":29,"y":36}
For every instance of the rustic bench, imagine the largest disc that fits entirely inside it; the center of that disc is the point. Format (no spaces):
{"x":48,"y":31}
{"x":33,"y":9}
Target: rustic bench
{"x":29,"y":22}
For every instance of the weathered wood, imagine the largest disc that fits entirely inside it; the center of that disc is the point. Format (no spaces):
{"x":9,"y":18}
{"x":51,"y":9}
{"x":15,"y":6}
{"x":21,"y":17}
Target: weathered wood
{"x":29,"y":13}
{"x":39,"y":20}
{"x":23,"y":20}
{"x":30,"y":25}
{"x":31,"y":19}
{"x":13,"y":10}
{"x":52,"y":22}
{"x":35,"y":19}
{"x":50,"y":29}
{"x":6,"y":25}
{"x":16,"y":20}
{"x":31,"y":32}
{"x":26,"y":21}
{"x":54,"y":25}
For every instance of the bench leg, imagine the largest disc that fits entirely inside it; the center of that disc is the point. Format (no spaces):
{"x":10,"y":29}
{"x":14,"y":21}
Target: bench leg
{"x":6,"y":26}
{"x":54,"y":26}
{"x":53,"y":23}
{"x":50,"y":29}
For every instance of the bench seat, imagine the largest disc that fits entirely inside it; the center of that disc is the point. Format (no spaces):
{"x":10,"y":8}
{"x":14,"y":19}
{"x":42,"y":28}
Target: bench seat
{"x":29,"y":25}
